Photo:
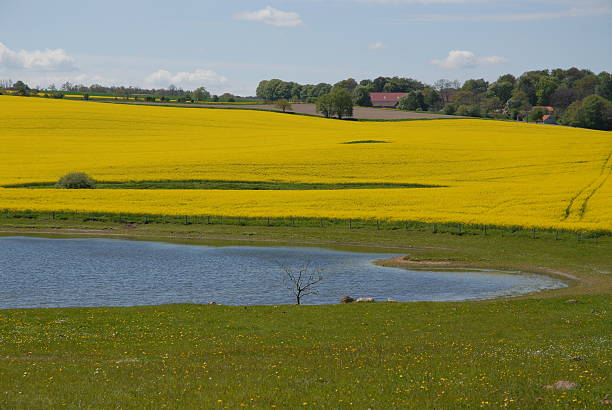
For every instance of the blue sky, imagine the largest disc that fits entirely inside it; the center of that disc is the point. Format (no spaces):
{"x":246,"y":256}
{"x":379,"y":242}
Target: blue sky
{"x":231,"y":45}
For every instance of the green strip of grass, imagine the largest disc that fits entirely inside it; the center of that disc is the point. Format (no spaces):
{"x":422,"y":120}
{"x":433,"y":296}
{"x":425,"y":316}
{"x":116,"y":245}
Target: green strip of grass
{"x":229,"y":185}
{"x":386,"y":355}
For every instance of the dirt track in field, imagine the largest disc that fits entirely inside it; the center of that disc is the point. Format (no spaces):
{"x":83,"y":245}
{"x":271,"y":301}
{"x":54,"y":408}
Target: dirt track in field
{"x":360,"y":113}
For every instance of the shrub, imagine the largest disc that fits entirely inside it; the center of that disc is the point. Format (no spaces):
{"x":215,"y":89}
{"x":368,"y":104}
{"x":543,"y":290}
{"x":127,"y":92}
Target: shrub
{"x":450,"y":109}
{"x":76,"y":180}
{"x":469,"y":111}
{"x":283,"y":105}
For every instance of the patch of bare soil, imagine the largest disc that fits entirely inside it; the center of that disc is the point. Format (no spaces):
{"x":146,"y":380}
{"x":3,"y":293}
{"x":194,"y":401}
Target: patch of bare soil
{"x":360,"y":113}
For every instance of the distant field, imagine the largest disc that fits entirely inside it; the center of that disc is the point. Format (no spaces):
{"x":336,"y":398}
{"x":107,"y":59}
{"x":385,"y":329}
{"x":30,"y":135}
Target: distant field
{"x":490,"y":172}
{"x":360,"y":113}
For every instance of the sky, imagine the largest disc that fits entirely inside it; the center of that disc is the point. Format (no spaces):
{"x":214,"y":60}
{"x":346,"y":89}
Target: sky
{"x":229,"y":46}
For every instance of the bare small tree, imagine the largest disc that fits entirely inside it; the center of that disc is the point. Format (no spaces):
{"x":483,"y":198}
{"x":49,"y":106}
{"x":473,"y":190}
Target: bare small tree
{"x":302,"y":282}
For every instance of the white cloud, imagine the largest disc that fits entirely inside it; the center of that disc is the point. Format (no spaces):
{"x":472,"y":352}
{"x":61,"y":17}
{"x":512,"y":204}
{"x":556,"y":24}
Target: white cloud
{"x":379,"y":45}
{"x":272,"y":16}
{"x":458,"y":59}
{"x":56,"y":60}
{"x":196,"y":78}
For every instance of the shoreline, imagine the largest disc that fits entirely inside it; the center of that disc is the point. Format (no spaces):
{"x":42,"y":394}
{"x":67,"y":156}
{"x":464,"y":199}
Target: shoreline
{"x":570,"y":281}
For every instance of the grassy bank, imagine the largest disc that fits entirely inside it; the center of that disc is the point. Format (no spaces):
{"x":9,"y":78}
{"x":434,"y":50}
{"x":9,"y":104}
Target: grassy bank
{"x":388,"y":355}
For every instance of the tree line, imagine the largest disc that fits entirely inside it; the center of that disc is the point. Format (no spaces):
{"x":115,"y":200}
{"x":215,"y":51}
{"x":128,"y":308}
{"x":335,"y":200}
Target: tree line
{"x":578,"y":97}
{"x":198,"y":94}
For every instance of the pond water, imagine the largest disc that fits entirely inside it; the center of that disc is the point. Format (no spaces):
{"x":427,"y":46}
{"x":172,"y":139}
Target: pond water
{"x":42,"y":272}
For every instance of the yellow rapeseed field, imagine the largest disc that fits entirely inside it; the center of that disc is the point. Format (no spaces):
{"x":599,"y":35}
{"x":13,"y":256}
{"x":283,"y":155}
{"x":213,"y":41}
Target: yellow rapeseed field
{"x":500,"y":173}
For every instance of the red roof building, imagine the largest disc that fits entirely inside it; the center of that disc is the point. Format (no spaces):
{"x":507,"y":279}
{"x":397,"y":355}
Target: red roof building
{"x":386,"y":99}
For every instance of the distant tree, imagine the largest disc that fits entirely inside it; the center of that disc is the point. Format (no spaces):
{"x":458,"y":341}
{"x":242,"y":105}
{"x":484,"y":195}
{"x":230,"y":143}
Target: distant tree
{"x":450,"y":109}
{"x":402,"y":85}
{"x":604,"y":88}
{"x":587,"y":85}
{"x":469,"y":110}
{"x":21,"y":88}
{"x":412,"y":101}
{"x":321,"y":89}
{"x":227,"y":97}
{"x":527,"y":85}
{"x":544,"y":89}
{"x":349,"y":85}
{"x":76,"y":180}
{"x":283,"y":105}
{"x":67,"y":86}
{"x":343,"y":103}
{"x":501,"y":89}
{"x":200,"y":94}
{"x":337,"y":103}
{"x":491,"y":105}
{"x":366,"y":83}
{"x":361,"y":96}
{"x":325,"y":105}
{"x":563,"y":97}
{"x":518,"y":106}
{"x":433,"y":99}
{"x":378,"y":84}
{"x":476,"y":86}
{"x":507,"y":78}
{"x":593,"y":112}
{"x":447,"y":89}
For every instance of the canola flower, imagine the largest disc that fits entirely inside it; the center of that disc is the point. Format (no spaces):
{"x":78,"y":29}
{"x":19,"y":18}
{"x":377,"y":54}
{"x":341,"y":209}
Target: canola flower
{"x":491,"y":172}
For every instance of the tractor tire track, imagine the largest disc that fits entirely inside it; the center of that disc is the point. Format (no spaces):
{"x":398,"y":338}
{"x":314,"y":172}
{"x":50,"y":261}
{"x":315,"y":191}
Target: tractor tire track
{"x":602,"y":173}
{"x":583,"y":208}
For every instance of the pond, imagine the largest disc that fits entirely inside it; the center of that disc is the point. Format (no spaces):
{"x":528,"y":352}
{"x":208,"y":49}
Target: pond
{"x":43,"y":272}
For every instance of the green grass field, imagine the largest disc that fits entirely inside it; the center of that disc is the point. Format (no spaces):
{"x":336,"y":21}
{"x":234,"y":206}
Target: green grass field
{"x":387,"y":355}
{"x":498,"y":353}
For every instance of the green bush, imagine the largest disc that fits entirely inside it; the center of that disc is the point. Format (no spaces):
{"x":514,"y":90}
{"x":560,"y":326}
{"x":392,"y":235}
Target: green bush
{"x":76,"y":180}
{"x":469,"y":111}
{"x":450,"y":109}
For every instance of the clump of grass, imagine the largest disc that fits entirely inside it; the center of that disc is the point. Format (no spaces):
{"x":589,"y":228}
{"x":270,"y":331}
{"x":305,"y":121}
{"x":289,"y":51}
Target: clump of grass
{"x":76,"y":180}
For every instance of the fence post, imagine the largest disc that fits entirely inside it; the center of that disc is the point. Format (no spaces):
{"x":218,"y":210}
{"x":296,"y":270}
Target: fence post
{"x":533,"y":233}
{"x":350,"y":224}
{"x":377,"y":225}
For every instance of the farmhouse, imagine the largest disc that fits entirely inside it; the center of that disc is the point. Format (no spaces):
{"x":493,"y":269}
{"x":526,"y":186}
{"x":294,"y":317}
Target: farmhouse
{"x":547,"y":118}
{"x":386,"y":99}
